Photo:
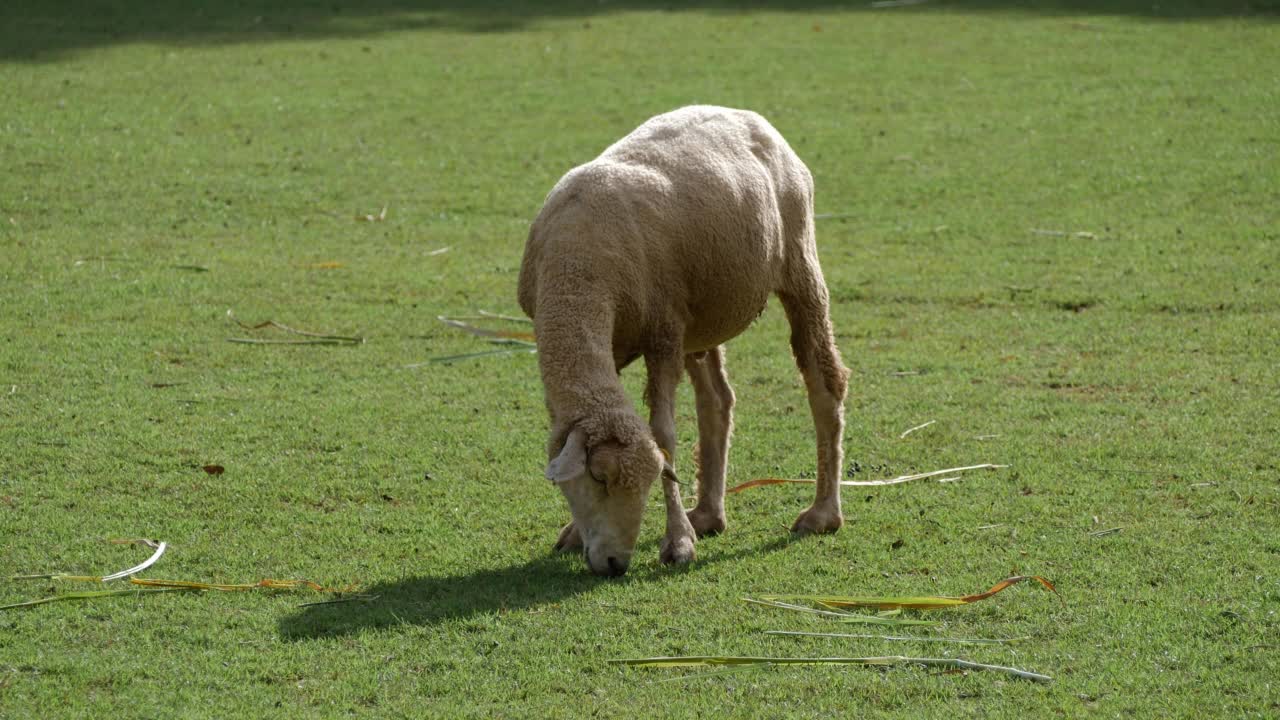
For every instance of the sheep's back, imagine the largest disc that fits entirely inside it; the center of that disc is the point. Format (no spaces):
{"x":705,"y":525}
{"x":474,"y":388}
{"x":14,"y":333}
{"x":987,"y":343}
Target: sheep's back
{"x":689,"y":215}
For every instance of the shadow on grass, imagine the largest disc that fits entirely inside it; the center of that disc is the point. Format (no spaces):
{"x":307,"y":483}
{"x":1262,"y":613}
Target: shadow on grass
{"x":44,"y":30}
{"x":430,"y":600}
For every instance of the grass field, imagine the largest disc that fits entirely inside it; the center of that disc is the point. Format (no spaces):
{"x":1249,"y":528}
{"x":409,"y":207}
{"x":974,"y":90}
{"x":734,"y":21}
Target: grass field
{"x":1052,"y":228}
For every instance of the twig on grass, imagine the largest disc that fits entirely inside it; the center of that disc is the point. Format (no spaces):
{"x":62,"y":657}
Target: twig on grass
{"x":326,"y":341}
{"x":520,"y":347}
{"x":90,"y":595}
{"x":921,"y":426}
{"x":499,"y":316}
{"x":728,"y":661}
{"x":160,"y":547}
{"x":1103,"y":533}
{"x":900,"y":638}
{"x":520,"y":341}
{"x":927,"y":602}
{"x":841,"y":615}
{"x":866,"y":483}
{"x":143,"y":585}
{"x":731,"y":669}
{"x":440,"y":251}
{"x":314,"y":338}
{"x":1082,"y":234}
{"x":353,"y":598}
{"x":266,"y":584}
{"x":485,"y":332}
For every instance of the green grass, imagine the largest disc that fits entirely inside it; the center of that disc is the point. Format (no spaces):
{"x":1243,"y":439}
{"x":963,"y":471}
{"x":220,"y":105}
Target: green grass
{"x":163,"y":165}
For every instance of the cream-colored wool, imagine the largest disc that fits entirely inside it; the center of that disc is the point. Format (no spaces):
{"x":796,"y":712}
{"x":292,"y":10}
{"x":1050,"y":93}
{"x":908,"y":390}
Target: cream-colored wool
{"x":663,"y":248}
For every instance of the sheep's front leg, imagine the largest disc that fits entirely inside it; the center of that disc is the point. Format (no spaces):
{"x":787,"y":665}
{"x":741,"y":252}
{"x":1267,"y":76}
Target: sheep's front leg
{"x":660,"y":394}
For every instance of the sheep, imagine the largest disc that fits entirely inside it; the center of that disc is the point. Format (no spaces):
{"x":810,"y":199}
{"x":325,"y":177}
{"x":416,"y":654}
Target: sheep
{"x":665,"y":247}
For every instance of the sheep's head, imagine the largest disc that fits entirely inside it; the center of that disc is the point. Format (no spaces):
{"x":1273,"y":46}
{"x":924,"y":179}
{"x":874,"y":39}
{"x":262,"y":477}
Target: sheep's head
{"x":607,"y":486}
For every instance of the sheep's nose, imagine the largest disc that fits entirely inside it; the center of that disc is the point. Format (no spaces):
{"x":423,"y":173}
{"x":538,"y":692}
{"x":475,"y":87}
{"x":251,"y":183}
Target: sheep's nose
{"x":616,"y":567}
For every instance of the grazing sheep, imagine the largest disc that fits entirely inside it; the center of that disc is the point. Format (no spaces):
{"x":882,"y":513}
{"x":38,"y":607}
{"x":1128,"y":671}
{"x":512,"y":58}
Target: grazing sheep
{"x":663,"y":248}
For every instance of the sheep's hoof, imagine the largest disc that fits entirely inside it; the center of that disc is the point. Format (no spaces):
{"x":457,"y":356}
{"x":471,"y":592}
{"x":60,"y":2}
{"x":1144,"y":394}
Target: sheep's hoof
{"x":706,"y":523}
{"x":818,"y":520}
{"x":677,"y":552}
{"x":569,"y":539}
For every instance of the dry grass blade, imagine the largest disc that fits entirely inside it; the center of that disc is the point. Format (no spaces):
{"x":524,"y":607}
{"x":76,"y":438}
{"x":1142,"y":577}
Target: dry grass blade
{"x":160,"y":548}
{"x":910,"y":430}
{"x":868,"y":483}
{"x":485,"y":332}
{"x":900,"y":638}
{"x":522,"y":347}
{"x":913,"y":603}
{"x":353,"y":598}
{"x":313,"y":337}
{"x":508,"y":318}
{"x":728,"y":661}
{"x":840,"y":615}
{"x":89,"y":595}
{"x":267,"y":584}
{"x":716,"y":673}
{"x":920,"y":476}
{"x":325,"y":341}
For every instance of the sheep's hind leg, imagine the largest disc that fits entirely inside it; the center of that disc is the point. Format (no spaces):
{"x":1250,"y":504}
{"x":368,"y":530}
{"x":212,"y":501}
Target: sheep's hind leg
{"x":660,"y":393}
{"x":715,"y":423}
{"x":825,"y":379}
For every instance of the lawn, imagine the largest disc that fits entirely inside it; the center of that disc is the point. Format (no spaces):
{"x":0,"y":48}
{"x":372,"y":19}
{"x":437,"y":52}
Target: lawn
{"x":1051,"y":228}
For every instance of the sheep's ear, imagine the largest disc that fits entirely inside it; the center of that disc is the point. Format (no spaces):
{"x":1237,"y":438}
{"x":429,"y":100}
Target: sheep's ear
{"x":572,"y":460}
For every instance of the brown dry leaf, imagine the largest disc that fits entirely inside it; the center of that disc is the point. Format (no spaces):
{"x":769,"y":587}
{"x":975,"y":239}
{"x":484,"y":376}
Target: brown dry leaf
{"x":327,"y":265}
{"x":214,"y":469}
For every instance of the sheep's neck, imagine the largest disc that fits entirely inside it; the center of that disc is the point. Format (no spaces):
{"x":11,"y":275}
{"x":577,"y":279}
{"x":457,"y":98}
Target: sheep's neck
{"x":575,"y":354}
